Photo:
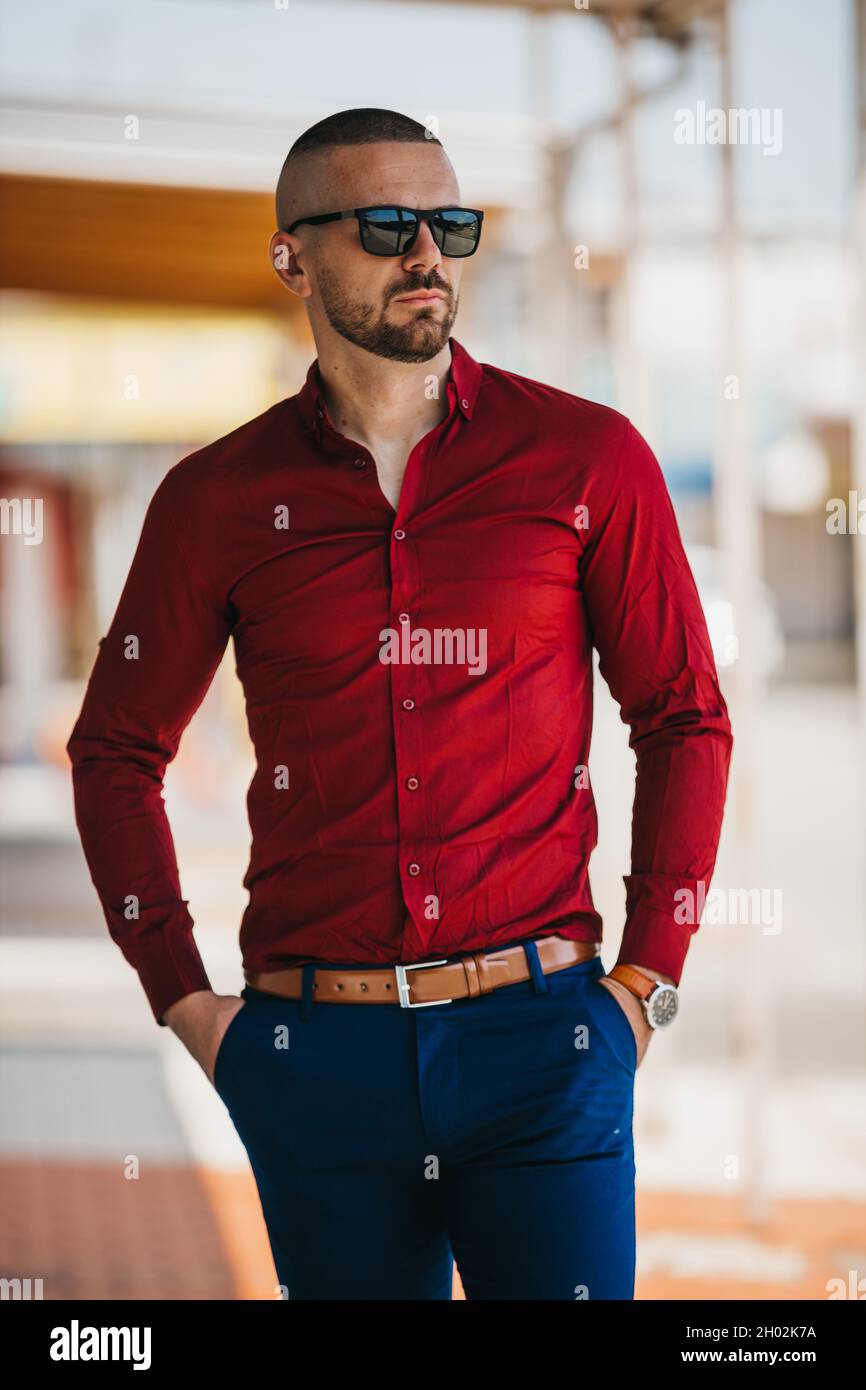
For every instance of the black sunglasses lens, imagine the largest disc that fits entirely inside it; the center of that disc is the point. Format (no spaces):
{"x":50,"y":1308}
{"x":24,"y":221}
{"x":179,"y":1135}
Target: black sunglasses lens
{"x":390,"y":231}
{"x":457,"y":231}
{"x":387,"y":231}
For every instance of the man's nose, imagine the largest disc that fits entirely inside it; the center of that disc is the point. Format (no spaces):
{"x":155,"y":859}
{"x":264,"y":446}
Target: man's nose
{"x":424,"y":252}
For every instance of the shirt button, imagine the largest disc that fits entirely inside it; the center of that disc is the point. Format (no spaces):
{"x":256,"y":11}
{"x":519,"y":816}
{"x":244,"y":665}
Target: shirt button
{"x":412,"y":783}
{"x":408,"y":704}
{"x":359,"y":463}
{"x":399,"y":535}
{"x":465,"y":404}
{"x":414,"y":869}
{"x":404,"y":617}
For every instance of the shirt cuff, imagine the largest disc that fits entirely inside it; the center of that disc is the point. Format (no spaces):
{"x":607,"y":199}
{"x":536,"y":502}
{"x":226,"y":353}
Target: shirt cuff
{"x":661,"y":919}
{"x":168,"y":964}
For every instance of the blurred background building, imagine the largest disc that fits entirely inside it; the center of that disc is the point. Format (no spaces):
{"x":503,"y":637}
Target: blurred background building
{"x":713,"y":289}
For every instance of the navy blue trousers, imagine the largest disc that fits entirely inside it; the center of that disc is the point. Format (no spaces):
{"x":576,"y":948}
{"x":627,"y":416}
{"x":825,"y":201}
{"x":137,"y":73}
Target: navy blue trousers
{"x":388,"y":1142}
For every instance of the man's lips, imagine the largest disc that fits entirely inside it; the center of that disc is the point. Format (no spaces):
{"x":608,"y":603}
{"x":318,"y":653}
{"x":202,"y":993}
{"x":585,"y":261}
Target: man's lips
{"x":419,"y":296}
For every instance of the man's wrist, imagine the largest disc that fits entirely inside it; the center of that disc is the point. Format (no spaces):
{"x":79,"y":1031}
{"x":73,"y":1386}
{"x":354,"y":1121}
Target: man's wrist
{"x":649,"y":972}
{"x":187,"y":1007}
{"x":658,"y":997}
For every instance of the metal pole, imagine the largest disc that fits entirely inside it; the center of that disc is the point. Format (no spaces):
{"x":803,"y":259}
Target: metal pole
{"x":858,"y":442}
{"x":550,"y":261}
{"x":631,"y":386}
{"x":738,"y":529}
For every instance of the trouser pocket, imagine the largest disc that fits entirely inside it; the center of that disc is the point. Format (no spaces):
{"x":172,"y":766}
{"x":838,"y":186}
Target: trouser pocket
{"x":223,"y":1057}
{"x":614,"y":1022}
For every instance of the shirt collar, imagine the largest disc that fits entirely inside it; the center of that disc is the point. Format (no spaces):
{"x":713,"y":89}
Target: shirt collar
{"x":464,"y":381}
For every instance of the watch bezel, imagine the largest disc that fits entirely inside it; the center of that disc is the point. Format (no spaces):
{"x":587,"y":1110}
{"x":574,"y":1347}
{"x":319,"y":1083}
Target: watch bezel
{"x":649,"y":1004}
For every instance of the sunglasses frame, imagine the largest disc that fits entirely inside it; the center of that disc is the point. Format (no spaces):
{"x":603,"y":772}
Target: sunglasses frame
{"x":427,"y":215}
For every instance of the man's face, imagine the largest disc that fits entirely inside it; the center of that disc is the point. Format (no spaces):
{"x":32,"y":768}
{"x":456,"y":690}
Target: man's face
{"x":367,"y":299}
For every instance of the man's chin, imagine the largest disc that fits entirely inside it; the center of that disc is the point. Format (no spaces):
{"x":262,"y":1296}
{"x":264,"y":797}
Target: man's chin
{"x":416,"y":342}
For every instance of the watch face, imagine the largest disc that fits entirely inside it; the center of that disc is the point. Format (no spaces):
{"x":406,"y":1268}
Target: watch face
{"x":663,"y":1004}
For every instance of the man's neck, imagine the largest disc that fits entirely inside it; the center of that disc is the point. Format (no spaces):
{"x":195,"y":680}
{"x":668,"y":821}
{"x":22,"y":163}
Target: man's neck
{"x":378,"y":402}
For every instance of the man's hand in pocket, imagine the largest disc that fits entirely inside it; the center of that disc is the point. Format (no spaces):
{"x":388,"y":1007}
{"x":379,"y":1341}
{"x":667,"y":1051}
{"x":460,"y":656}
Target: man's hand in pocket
{"x":200,"y":1020}
{"x":633,"y":1010}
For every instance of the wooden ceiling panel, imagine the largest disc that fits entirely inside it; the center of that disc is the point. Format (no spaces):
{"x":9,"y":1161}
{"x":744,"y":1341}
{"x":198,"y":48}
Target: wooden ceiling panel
{"x":139,"y":242}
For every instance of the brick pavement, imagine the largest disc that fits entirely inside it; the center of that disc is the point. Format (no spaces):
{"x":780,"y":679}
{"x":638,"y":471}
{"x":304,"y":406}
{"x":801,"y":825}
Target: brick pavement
{"x":180,"y":1232}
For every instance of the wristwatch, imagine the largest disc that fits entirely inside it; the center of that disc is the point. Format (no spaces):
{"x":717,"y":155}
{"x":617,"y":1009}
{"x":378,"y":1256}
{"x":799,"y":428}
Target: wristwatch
{"x":660,"y":1001}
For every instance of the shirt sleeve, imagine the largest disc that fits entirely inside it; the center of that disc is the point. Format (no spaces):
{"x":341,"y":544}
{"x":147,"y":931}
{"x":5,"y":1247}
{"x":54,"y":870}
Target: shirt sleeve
{"x":152,"y":670}
{"x":655,"y":655}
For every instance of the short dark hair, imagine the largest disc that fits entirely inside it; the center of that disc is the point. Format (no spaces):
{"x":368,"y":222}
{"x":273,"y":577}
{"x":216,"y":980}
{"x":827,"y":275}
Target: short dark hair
{"x":363,"y":125}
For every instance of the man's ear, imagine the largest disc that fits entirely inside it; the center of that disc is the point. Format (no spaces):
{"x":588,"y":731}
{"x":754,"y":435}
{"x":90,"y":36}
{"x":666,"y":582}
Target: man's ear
{"x":283,"y":257}
{"x":281,"y":254}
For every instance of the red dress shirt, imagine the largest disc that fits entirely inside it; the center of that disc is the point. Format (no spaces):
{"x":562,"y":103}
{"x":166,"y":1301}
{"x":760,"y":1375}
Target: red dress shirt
{"x":418,"y":686}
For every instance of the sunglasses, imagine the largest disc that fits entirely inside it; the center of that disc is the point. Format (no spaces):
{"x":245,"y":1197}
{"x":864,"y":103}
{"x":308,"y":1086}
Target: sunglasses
{"x":391,"y":230}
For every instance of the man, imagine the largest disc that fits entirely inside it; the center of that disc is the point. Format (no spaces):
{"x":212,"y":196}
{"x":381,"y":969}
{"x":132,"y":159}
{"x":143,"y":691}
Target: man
{"x":415,"y":557}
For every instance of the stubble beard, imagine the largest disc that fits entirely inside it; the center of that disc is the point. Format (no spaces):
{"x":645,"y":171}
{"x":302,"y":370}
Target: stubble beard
{"x":418,"y":340}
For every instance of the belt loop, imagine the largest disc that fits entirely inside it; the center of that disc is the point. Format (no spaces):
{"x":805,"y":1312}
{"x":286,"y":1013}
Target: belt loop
{"x":306,"y":1011}
{"x":539,"y":979}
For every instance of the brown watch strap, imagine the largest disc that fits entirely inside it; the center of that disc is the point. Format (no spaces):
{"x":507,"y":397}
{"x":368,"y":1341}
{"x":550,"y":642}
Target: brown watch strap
{"x":634,"y":980}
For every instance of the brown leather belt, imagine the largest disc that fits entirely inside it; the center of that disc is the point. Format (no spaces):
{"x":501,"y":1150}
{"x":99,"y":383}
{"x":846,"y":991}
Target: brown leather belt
{"x":428,"y":982}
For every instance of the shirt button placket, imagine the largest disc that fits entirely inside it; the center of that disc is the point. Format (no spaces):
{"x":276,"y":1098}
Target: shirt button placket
{"x":405,"y":678}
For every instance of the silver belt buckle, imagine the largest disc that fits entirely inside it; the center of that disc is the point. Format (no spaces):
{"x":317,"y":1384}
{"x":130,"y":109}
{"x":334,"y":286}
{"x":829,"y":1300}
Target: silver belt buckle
{"x":403,"y":985}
